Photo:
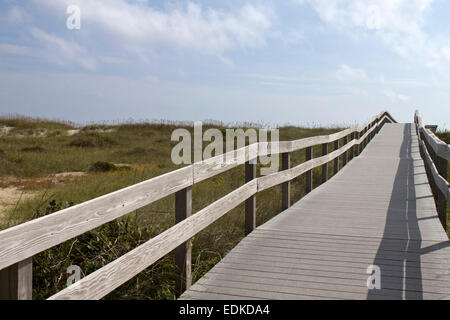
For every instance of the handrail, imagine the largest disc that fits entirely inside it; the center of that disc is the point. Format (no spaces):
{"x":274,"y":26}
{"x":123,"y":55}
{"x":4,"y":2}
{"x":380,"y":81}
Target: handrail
{"x":436,"y":155}
{"x":440,"y":147}
{"x":23,"y":241}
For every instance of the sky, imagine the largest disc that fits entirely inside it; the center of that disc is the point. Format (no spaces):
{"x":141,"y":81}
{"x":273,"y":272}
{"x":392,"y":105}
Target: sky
{"x":302,"y":62}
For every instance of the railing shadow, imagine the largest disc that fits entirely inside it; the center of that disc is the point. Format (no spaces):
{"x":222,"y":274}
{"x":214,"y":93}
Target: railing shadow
{"x":399,"y":252}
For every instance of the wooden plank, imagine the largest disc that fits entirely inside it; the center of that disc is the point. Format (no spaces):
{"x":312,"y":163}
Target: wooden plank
{"x":336,"y":287}
{"x":349,"y":251}
{"x":432,"y":266}
{"x":99,"y":283}
{"x":16,"y":281}
{"x":310,"y":280}
{"x":198,"y":295}
{"x":227,"y":291}
{"x":23,"y":241}
{"x":213,"y":166}
{"x":377,"y":210}
{"x":183,"y":253}
{"x":438,"y":282}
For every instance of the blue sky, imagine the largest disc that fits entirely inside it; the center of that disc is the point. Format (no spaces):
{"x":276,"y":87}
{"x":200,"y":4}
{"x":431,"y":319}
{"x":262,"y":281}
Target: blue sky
{"x":293,"y":61}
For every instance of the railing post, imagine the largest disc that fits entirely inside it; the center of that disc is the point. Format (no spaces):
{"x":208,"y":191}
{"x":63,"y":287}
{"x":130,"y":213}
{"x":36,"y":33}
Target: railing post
{"x":16,"y":281}
{"x":336,"y":160}
{"x":309,"y":177}
{"x":183,"y":210}
{"x":325,"y":165}
{"x":250,"y":203}
{"x":352,"y":137}
{"x":361,"y":146}
{"x":286,"y":186}
{"x":357,"y":146}
{"x":345,"y":155}
{"x":364,"y":143}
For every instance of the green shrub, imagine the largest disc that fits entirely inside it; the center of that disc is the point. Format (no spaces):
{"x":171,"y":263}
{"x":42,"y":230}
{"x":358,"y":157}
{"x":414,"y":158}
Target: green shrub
{"x":33,"y":149}
{"x":103,"y":166}
{"x":82,"y":143}
{"x":91,"y":140}
{"x":444,"y":136}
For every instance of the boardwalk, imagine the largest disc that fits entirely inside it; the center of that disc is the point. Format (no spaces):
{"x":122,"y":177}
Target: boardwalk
{"x":378,"y":210}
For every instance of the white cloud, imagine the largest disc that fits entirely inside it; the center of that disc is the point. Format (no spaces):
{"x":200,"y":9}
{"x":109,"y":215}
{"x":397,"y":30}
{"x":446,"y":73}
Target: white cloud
{"x":61,"y":51}
{"x":395,"y":97}
{"x":346,"y":73}
{"x":398,"y":23}
{"x":395,"y":15}
{"x":193,"y":27}
{"x":55,"y":50}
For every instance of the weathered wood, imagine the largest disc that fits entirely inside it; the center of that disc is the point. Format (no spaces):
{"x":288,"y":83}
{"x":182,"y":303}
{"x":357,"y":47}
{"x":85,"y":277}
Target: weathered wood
{"x":442,"y":197}
{"x":16,"y":281}
{"x":375,"y":212}
{"x":336,"y":160}
{"x":435,"y":153}
{"x":351,"y":152}
{"x":23,"y":241}
{"x":309,"y":176}
{"x":304,"y":143}
{"x":101,"y":282}
{"x":286,"y":186}
{"x":213,"y":166}
{"x":250,"y":203}
{"x":365,"y":138}
{"x":442,"y":193}
{"x":287,"y":175}
{"x":325,"y":165}
{"x":345,"y":156}
{"x":357,"y":146}
{"x":277,"y":178}
{"x":183,"y":210}
{"x":441,"y":149}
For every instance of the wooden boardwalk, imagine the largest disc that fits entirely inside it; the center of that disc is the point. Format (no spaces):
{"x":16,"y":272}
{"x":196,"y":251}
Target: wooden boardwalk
{"x":378,"y":210}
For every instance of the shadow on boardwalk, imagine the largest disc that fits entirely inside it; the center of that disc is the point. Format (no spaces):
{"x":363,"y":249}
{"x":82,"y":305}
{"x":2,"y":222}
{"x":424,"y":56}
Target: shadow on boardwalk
{"x":402,"y":274}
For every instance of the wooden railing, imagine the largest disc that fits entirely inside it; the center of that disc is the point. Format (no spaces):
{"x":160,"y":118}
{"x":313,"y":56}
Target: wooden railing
{"x":20,"y":243}
{"x":436,"y":155}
